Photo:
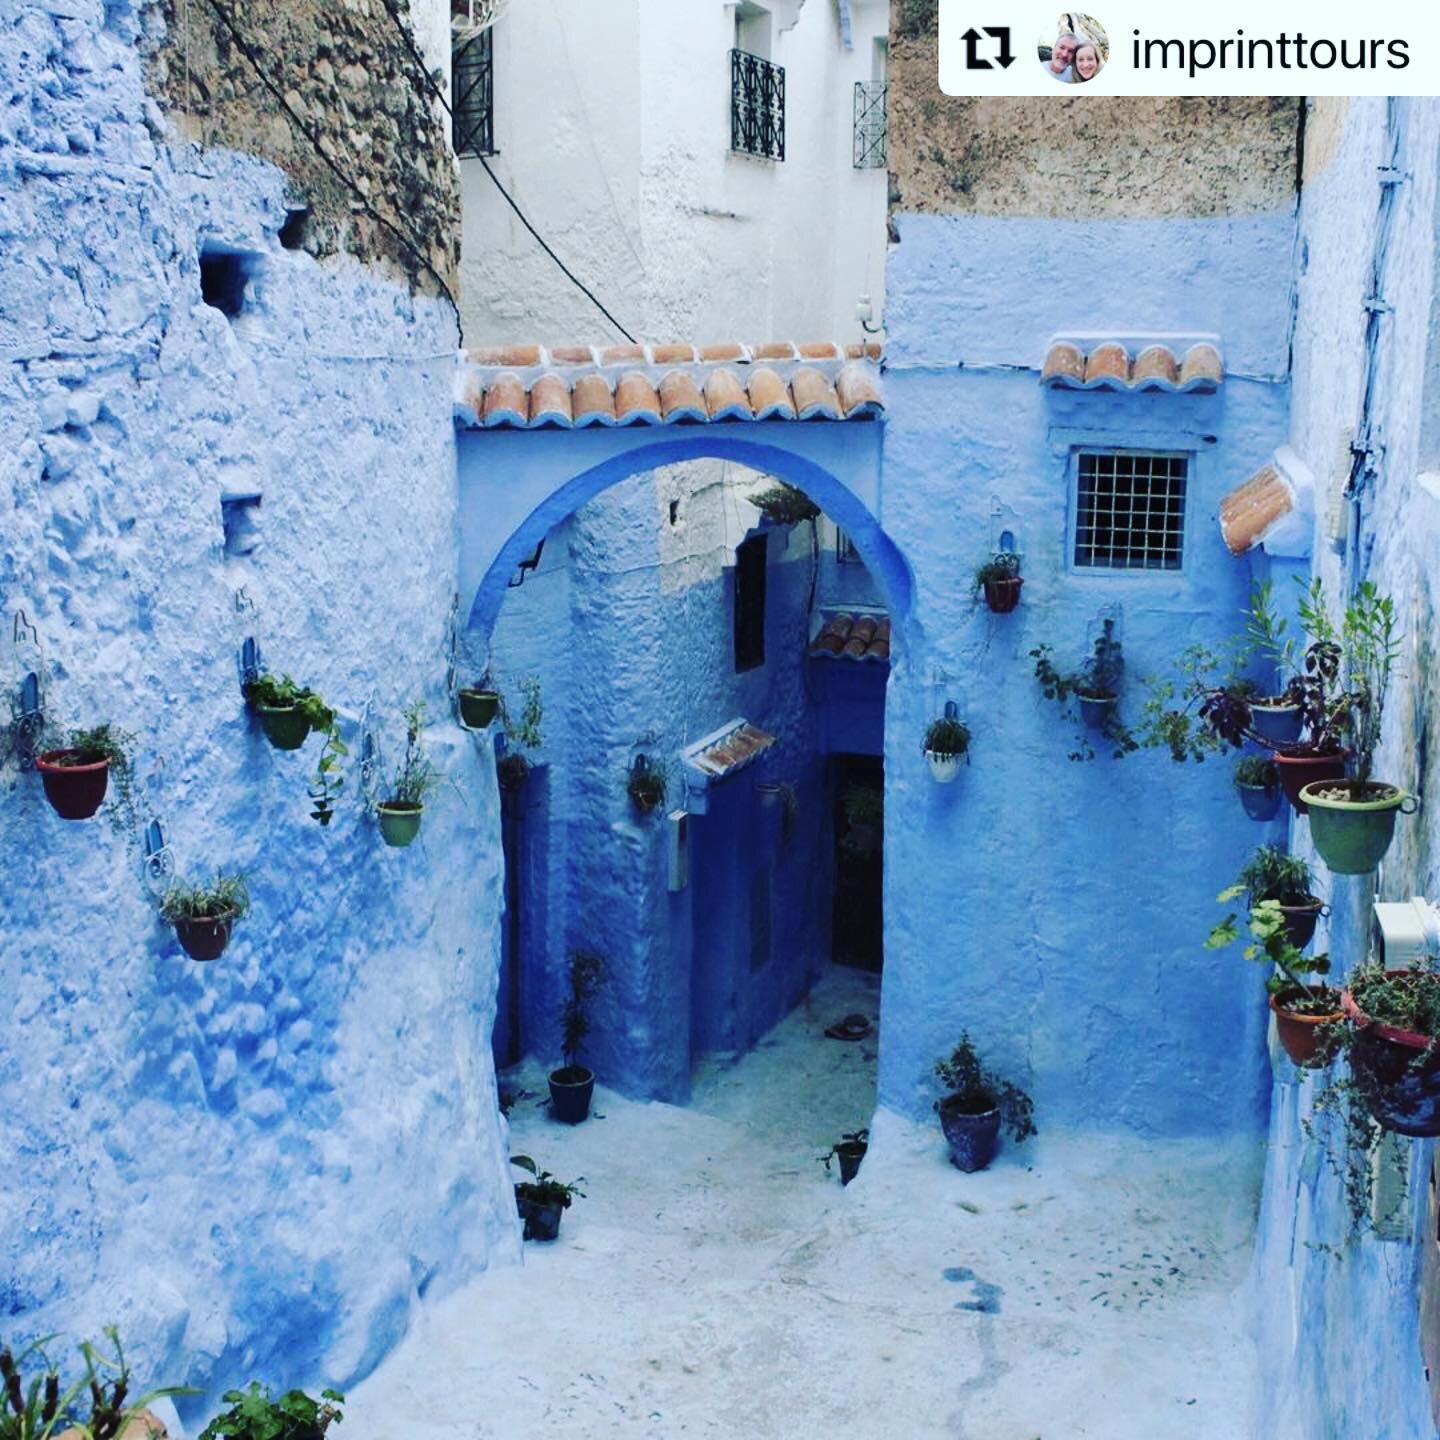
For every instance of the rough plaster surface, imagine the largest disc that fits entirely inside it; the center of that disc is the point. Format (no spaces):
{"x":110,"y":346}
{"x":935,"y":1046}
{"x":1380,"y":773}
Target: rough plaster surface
{"x":1318,"y":1288}
{"x":1073,"y":156}
{"x":254,"y":1167}
{"x":715,"y":1282}
{"x":334,"y":97}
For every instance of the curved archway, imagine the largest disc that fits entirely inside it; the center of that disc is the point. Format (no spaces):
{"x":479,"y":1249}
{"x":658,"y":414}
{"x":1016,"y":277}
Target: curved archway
{"x":563,"y":496}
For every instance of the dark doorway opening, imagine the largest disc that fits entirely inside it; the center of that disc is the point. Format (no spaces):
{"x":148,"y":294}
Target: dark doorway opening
{"x":858,"y":917}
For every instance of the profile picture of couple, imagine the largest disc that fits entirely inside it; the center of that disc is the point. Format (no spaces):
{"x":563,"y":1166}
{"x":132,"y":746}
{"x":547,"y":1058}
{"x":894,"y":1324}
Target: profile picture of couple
{"x":1078,"y":52}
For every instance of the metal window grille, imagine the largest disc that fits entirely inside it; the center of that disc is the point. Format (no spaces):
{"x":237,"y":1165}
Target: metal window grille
{"x":1130,"y":510}
{"x":757,"y":106}
{"x":870,"y":152}
{"x":472,"y":95}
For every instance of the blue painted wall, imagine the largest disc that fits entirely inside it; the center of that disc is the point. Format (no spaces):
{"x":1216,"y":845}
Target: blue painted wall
{"x":255,"y":1167}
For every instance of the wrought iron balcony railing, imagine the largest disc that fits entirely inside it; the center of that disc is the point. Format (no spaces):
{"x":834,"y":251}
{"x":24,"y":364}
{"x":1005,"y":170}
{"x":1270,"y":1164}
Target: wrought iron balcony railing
{"x":472,"y":95}
{"x":870,"y":152}
{"x":757,"y":106}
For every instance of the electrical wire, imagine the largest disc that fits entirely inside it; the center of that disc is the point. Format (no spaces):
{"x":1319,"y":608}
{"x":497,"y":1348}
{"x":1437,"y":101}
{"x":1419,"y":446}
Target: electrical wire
{"x":509,"y":199}
{"x":228,"y":20}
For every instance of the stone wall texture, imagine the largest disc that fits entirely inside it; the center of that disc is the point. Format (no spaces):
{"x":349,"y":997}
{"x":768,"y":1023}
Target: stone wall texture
{"x":255,"y":1167}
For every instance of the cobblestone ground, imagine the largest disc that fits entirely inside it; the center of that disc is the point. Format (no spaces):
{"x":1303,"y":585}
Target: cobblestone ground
{"x":716,"y":1282}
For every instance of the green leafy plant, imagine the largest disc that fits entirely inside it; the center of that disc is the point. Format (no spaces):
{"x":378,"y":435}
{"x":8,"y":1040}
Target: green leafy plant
{"x":1203,"y":710}
{"x":1270,"y":944}
{"x":1371,"y":643}
{"x":647,"y":784}
{"x":109,"y":742}
{"x":211,"y":900}
{"x":544,"y":1189}
{"x":522,"y":733}
{"x":46,"y":1406}
{"x":864,"y":808}
{"x":1002,"y":565}
{"x":416,"y":779}
{"x":785,"y":505}
{"x":587,"y":971}
{"x":1272,"y":873}
{"x":1257,"y":770}
{"x":1098,"y":678}
{"x":1267,"y":633}
{"x":280,"y":692}
{"x":253,"y":1415}
{"x":947,"y":736}
{"x":972,"y":1089}
{"x":847,"y":1137}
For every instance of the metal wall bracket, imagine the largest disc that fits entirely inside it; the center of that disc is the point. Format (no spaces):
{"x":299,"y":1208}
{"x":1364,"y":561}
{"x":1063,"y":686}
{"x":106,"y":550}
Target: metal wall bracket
{"x":159,"y":863}
{"x":368,"y":748}
{"x":251,"y":665}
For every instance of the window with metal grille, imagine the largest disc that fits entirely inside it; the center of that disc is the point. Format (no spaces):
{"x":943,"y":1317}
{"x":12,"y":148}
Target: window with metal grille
{"x":870,"y":153}
{"x":472,"y":95}
{"x":1130,"y":510}
{"x":757,"y":106}
{"x":750,"y":603}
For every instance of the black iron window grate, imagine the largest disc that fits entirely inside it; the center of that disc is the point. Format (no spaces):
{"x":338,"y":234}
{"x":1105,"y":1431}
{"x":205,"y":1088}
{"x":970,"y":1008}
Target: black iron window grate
{"x":1130,"y":510}
{"x":870,"y":152}
{"x":757,"y":106}
{"x":472,"y":95}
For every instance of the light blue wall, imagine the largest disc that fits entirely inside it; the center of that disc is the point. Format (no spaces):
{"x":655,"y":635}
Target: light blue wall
{"x":1337,"y":1316}
{"x":255,"y":1167}
{"x":1056,"y":909}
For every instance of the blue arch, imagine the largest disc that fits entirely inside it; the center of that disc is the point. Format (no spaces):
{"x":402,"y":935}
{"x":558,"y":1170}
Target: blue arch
{"x":881,"y":556}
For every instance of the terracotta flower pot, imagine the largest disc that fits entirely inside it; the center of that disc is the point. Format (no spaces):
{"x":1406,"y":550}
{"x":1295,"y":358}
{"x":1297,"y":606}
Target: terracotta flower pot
{"x":571,"y":1087}
{"x":1003,"y":595}
{"x":1353,"y":830}
{"x":973,"y":1136}
{"x":1309,"y":1040}
{"x":478,"y":708}
{"x":1397,"y":1070}
{"x":399,"y":822}
{"x":204,"y":937}
{"x":285,"y":726}
{"x":75,"y":792}
{"x":1298,"y":766}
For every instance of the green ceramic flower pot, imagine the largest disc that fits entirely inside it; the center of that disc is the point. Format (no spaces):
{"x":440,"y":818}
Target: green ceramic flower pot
{"x":399,"y":824}
{"x":478,"y":708}
{"x":1353,"y":834}
{"x":285,"y":727}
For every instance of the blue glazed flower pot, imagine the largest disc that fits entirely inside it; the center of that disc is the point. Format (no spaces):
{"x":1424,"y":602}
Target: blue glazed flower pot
{"x":1261,"y":802}
{"x":973,"y":1138}
{"x":1096,"y":711}
{"x":1278,"y":724}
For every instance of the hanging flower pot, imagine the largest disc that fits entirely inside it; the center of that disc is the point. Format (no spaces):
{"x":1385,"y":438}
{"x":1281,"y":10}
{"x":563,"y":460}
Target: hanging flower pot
{"x":75,"y":783}
{"x":946,"y":744}
{"x":204,"y":937}
{"x":1397,"y":1069}
{"x":399,"y":821}
{"x":1300,"y":920}
{"x":285,"y":726}
{"x":1276,"y":721}
{"x":1096,"y":710}
{"x":1352,"y":822}
{"x":945,"y":768}
{"x":1309,"y":1031}
{"x":1003,"y":595}
{"x":478,"y":706}
{"x":1299,"y":765}
{"x":646,"y":785}
{"x":203,"y":915}
{"x":1258,"y":784}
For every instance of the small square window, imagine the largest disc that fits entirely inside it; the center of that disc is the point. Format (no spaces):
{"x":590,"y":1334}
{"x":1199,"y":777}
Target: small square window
{"x":1130,"y":510}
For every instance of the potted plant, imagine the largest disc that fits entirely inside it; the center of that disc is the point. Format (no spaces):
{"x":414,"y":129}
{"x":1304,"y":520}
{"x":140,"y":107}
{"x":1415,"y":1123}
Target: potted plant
{"x":1095,"y":688}
{"x":947,"y":742}
{"x":1320,"y":754}
{"x":572,"y":1085}
{"x":1395,"y":1045}
{"x":288,"y":713}
{"x":522,"y":733}
{"x":253,"y":1415}
{"x":77,"y":775}
{"x":1258,"y":784}
{"x":1203,"y":711}
{"x":849,"y":1150}
{"x":1352,"y":822}
{"x":999,"y":579}
{"x":204,"y":914}
{"x":976,"y":1104}
{"x":45,"y":1407}
{"x":1308,"y":1016}
{"x":864,"y":807}
{"x":1272,"y":873}
{"x":783,"y":504}
{"x":403,"y":807}
{"x":1275,"y":718}
{"x":543,"y":1200}
{"x":479,"y":703}
{"x":646,"y":785}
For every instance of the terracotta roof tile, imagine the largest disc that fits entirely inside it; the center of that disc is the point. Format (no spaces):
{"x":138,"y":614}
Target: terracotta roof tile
{"x":636,"y":401}
{"x":852,"y":637}
{"x":874,"y":350}
{"x":505,"y":402}
{"x":550,"y":402}
{"x":680,"y":398}
{"x":1108,"y":366}
{"x":770,"y":396}
{"x":532,"y":386}
{"x":725,"y":396}
{"x":1249,"y":510}
{"x":814,"y":395}
{"x":592,"y":401}
{"x":728,"y":750}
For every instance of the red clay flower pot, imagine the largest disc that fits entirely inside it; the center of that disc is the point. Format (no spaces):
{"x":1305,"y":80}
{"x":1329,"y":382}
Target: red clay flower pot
{"x":204,"y":937}
{"x":75,"y":792}
{"x":1299,"y":765}
{"x":1309,"y":1040}
{"x":1003,"y":595}
{"x":1398,"y":1071}
{"x":1300,"y":921}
